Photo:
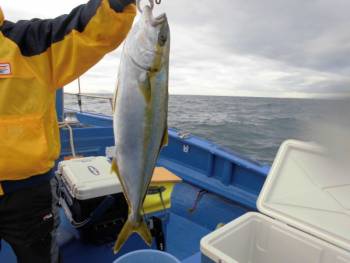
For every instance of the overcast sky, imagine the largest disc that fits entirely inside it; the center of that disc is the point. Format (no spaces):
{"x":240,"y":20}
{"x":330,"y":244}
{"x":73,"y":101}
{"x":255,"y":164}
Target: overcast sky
{"x":278,"y":48}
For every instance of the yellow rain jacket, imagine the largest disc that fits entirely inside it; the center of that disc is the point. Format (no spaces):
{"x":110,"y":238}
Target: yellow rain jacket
{"x":36,"y":58}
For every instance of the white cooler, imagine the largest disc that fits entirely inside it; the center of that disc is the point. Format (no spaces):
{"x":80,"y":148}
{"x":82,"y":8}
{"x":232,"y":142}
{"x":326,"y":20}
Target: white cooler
{"x":92,"y":198}
{"x":305,"y":214}
{"x":89,"y":177}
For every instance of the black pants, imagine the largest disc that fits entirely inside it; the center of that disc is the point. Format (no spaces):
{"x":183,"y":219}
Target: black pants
{"x":28,"y":222}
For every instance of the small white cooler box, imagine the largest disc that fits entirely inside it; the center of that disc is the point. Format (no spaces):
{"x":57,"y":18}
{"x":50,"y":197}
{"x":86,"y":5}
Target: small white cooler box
{"x":92,"y":198}
{"x":305,"y":214}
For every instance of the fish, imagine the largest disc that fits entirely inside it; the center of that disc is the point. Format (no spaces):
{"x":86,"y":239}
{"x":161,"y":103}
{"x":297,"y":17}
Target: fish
{"x":140,"y":115}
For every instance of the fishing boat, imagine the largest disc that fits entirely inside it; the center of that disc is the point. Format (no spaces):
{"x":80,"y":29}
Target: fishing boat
{"x":217,"y":186}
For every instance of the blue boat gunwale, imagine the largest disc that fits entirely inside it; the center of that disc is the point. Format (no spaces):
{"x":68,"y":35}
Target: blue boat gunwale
{"x":240,"y":179}
{"x":193,"y":140}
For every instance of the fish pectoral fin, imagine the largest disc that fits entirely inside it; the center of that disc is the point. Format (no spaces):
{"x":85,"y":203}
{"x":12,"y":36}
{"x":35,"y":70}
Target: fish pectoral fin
{"x":146,"y":88}
{"x":165,"y":139}
{"x":126,"y":232}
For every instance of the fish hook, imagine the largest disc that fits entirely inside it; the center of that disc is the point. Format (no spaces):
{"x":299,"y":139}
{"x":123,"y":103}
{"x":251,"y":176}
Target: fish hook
{"x":138,"y":4}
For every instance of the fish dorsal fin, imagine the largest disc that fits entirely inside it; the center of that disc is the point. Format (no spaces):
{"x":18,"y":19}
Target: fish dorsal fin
{"x":114,"y":102}
{"x":114,"y":167}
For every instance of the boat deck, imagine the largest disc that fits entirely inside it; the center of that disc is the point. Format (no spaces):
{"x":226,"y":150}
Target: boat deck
{"x":184,"y":229}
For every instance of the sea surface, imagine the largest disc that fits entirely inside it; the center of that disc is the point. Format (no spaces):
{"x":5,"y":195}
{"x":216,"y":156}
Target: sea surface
{"x":251,"y":127}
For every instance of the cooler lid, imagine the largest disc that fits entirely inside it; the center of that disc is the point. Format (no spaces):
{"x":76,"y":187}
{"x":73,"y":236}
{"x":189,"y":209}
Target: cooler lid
{"x":310,"y":191}
{"x":89,"y":177}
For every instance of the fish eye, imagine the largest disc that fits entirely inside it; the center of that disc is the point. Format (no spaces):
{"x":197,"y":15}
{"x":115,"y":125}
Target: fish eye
{"x":162,"y":38}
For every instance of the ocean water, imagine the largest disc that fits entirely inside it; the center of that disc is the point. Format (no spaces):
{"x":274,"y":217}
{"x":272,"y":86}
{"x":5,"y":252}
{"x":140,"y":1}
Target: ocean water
{"x":251,"y":127}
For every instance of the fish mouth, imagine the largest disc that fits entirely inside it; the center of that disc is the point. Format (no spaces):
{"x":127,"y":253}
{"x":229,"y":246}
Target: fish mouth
{"x":154,"y":21}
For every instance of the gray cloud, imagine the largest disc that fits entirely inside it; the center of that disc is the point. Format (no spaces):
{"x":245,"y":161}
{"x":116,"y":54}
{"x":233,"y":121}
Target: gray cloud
{"x":255,"y":48}
{"x":313,"y":34}
{"x":300,"y":36}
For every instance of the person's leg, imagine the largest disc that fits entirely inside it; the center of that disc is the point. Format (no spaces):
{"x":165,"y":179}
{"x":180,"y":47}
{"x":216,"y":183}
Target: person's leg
{"x":29,"y":220}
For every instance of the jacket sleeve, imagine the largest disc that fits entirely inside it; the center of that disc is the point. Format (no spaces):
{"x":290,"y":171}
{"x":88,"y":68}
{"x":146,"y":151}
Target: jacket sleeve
{"x":61,"y":49}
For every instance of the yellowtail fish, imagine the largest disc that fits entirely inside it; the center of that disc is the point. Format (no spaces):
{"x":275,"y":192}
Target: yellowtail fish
{"x":140,"y":115}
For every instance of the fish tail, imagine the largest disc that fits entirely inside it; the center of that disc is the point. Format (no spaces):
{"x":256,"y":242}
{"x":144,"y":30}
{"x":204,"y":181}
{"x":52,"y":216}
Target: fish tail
{"x":128,"y":229}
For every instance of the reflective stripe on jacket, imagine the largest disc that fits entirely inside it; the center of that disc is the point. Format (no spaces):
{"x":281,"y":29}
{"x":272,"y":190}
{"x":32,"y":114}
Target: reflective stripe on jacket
{"x":36,"y":58}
